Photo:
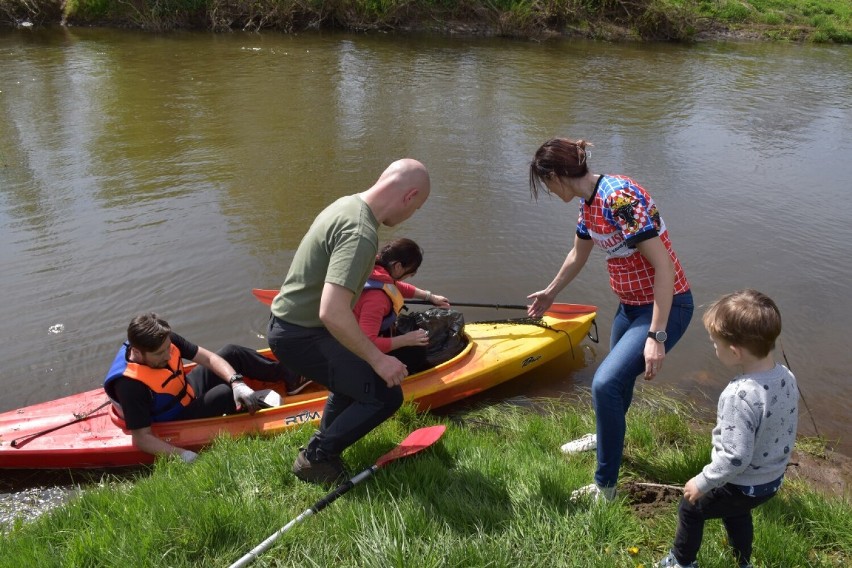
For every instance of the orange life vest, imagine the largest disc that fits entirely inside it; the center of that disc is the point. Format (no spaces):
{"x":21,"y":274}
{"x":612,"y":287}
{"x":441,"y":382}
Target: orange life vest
{"x":172,"y":392}
{"x":397,"y":301}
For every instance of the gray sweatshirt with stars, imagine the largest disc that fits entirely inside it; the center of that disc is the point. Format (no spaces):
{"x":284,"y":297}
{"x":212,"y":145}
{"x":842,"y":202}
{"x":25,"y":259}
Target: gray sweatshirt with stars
{"x":755,"y":430}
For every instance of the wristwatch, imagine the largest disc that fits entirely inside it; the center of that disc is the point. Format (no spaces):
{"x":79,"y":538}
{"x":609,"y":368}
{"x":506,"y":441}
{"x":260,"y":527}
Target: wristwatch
{"x":658,"y":336}
{"x":234,"y":378}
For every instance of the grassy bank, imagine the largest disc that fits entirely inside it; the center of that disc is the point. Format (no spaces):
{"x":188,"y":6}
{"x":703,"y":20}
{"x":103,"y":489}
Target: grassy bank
{"x":679,"y":20}
{"x":494,"y":491}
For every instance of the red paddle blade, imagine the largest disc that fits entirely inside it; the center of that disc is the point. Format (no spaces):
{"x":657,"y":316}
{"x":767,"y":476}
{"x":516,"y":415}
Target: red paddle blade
{"x":568,"y":309}
{"x":265,"y":296}
{"x":418,"y":440}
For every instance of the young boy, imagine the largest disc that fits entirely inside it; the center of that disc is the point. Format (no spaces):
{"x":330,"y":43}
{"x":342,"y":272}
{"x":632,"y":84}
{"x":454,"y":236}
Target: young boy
{"x":754,"y":434}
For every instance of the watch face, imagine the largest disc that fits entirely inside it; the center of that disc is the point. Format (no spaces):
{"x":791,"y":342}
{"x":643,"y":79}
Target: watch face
{"x":658,"y":336}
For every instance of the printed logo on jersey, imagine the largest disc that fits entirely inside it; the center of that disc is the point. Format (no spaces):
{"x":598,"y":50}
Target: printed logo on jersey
{"x":620,"y":211}
{"x":619,"y":214}
{"x":624,"y":209}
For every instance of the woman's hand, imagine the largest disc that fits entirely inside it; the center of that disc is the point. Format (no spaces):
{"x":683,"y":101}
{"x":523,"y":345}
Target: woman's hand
{"x":655,"y":352}
{"x":439,"y":301}
{"x":541,"y":302}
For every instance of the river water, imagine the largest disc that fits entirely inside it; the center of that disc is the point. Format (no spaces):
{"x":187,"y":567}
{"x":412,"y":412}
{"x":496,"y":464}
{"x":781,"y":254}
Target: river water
{"x":176,"y":172}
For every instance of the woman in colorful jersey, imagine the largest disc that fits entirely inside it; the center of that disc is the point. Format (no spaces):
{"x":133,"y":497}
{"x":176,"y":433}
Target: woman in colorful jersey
{"x":381,"y":301}
{"x":655,"y":307}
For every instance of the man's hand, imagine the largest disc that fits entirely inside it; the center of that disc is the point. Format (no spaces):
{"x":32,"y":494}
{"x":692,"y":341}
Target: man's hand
{"x":244,"y":397}
{"x":391,"y":370}
{"x":188,"y":456}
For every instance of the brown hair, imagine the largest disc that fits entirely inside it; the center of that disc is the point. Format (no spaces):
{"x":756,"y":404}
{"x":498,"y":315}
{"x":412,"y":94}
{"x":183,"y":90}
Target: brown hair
{"x":558,"y":157}
{"x":147,"y":332}
{"x":402,"y":250}
{"x":747,"y":319}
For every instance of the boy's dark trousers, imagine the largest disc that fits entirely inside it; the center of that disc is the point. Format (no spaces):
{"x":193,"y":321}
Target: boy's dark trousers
{"x":727,"y":503}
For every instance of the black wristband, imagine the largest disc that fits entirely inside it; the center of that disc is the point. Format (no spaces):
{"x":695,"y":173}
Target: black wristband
{"x":235,"y":378}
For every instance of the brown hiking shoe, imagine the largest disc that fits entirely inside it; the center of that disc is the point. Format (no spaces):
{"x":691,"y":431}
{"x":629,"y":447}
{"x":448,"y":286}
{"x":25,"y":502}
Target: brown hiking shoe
{"x":326,"y":472}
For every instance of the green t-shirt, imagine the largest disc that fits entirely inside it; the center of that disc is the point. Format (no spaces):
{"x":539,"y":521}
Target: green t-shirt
{"x":339,"y":248}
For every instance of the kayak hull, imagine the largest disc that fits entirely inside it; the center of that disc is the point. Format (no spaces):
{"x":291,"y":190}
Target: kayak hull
{"x":87,"y":434}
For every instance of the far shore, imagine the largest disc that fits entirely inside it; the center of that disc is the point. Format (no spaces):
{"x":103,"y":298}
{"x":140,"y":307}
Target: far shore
{"x":820,"y":21}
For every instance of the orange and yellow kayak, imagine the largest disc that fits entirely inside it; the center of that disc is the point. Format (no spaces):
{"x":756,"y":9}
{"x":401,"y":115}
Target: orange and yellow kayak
{"x":83,"y":431}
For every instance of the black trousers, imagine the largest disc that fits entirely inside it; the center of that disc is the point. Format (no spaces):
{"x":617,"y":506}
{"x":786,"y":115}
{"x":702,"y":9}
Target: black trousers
{"x":727,"y":503}
{"x":358,"y":401}
{"x":214,"y":396}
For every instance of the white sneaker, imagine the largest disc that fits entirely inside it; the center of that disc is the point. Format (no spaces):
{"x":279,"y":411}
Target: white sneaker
{"x":671,"y":562}
{"x":298,"y":385}
{"x":593,"y":492}
{"x":584,"y":444}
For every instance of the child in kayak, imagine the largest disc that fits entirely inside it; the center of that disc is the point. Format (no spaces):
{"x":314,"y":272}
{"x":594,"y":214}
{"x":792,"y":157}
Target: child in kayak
{"x":382,"y":299}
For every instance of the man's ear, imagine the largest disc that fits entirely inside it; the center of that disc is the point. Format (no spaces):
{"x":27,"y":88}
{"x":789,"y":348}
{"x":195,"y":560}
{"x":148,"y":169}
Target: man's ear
{"x":410,"y":194}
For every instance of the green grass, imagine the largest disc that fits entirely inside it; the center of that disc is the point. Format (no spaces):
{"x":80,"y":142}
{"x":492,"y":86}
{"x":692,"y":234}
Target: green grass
{"x":819,"y":21}
{"x":494,"y":491}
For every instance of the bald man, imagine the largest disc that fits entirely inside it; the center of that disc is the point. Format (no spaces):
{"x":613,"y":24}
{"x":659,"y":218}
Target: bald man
{"x":313,"y":330}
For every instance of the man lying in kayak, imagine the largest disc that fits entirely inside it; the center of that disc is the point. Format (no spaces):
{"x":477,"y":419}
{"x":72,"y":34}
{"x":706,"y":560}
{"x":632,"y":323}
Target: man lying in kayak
{"x":147,"y":382}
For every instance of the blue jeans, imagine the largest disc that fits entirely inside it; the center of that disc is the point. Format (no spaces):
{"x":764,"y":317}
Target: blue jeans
{"x":612,"y":386}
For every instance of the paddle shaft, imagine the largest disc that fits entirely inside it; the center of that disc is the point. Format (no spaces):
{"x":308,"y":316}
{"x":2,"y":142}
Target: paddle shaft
{"x":34,"y":435}
{"x":266,"y":296}
{"x":418,"y":440}
{"x":554,"y":309}
{"x":474,"y":305}
{"x":251,"y":555}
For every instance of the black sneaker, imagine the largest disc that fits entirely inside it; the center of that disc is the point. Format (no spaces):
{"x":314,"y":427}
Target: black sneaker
{"x":298,"y":386}
{"x":325,"y":472}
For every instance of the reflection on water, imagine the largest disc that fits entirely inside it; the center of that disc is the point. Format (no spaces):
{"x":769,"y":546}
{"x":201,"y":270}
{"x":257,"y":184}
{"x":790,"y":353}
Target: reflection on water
{"x":176,"y":172}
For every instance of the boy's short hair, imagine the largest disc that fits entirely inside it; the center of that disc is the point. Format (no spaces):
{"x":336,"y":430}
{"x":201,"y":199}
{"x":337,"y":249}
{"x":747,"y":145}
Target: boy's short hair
{"x":147,"y":332}
{"x":747,"y":319}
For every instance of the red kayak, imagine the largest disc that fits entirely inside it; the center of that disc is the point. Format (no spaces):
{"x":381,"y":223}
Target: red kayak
{"x":83,"y":431}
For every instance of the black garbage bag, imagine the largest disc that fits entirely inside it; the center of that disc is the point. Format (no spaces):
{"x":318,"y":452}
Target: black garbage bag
{"x":446,"y":332}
